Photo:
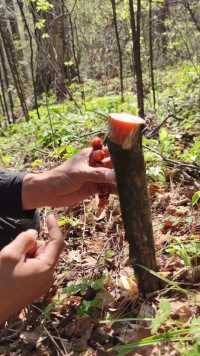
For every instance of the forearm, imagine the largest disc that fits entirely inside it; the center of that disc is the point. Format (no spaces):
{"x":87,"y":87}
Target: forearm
{"x":39,"y":190}
{"x":34,"y":190}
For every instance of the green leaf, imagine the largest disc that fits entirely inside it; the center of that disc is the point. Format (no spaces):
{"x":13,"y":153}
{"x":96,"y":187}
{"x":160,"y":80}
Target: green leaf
{"x":48,"y":310}
{"x":162,"y":315}
{"x":196,"y":198}
{"x":40,"y":24}
{"x":163,"y":134}
{"x":66,"y":220}
{"x":184,"y":334}
{"x":87,"y":305}
{"x":43,"y":5}
{"x":45,"y":35}
{"x":83,"y":286}
{"x":69,"y":63}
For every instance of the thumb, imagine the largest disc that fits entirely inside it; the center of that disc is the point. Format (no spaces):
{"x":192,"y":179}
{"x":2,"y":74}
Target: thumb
{"x":23,"y":244}
{"x":100,"y":175}
{"x":55,"y":245}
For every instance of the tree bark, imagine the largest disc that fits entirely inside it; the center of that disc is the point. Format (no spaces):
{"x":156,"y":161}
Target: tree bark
{"x":119,"y":49}
{"x":135,"y":29}
{"x":23,"y":37}
{"x":130,"y":173}
{"x":75,"y":70}
{"x":50,"y":71}
{"x":192,"y":14}
{"x":162,"y":14}
{"x":6,"y":80}
{"x":4,"y":98}
{"x":20,"y":5}
{"x":15,"y":32}
{"x":151,"y":55}
{"x":12,"y":61}
{"x":2,"y":106}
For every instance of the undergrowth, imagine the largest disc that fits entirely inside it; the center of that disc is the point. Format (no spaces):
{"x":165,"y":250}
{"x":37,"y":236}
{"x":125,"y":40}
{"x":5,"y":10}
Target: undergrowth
{"x":67,"y":127}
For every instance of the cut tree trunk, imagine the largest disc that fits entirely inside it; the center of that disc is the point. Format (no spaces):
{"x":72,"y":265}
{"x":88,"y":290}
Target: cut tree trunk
{"x":128,"y":161}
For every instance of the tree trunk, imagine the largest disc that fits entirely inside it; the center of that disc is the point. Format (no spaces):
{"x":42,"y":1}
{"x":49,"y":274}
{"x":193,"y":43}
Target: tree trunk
{"x":74,"y":71}
{"x":5,"y":105}
{"x":50,"y":72}
{"x":129,"y":166}
{"x":15,"y":32}
{"x":119,"y":48}
{"x":21,"y":8}
{"x":192,"y":14}
{"x":135,"y":29}
{"x":23,"y":38}
{"x":12,"y":61}
{"x":151,"y":55}
{"x":6,"y":80}
{"x":56,"y":49}
{"x":3,"y":110}
{"x":162,"y":14}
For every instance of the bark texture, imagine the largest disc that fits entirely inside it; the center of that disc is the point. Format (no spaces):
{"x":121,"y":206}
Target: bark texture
{"x":136,"y":213}
{"x":135,"y":22}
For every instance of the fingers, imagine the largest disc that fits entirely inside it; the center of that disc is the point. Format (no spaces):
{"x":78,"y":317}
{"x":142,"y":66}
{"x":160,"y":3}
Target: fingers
{"x":20,"y":247}
{"x":84,"y":154}
{"x":86,"y":191}
{"x":40,"y":248}
{"x":100,"y":175}
{"x":107,"y":163}
{"x":56,"y":243}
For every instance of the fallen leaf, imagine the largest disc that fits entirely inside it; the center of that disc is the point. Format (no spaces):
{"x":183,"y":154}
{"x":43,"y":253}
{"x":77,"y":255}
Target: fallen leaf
{"x":74,"y":255}
{"x":128,"y":286}
{"x":180,"y":310}
{"x":31,"y":337}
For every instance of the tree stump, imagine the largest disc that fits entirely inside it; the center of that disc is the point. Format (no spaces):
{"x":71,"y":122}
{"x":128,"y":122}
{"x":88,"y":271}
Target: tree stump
{"x":125,"y":146}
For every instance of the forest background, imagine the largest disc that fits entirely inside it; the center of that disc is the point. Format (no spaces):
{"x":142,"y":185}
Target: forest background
{"x":64,"y":65}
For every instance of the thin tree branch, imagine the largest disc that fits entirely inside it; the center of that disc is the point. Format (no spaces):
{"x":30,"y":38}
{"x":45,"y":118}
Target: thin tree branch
{"x":174,"y":162}
{"x":20,"y":5}
{"x":119,"y":48}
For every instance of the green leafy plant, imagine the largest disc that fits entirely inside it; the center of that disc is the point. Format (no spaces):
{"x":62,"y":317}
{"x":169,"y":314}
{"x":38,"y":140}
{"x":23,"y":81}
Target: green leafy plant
{"x":187,"y":251}
{"x":87,"y":306}
{"x":176,"y":335}
{"x":161,"y":316}
{"x":196,"y":198}
{"x":81,"y":287}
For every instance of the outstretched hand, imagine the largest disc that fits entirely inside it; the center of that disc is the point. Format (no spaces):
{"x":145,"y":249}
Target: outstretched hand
{"x":23,"y":278}
{"x":67,"y":184}
{"x":79,"y":180}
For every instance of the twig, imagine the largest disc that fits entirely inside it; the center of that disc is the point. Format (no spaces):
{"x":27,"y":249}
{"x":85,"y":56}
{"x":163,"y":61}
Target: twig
{"x":87,"y":134}
{"x":84,"y":227}
{"x":188,"y":176}
{"x":52,"y":338}
{"x":15,"y":334}
{"x":174,"y":162}
{"x":100,"y":255}
{"x":41,"y":151}
{"x":157,"y":128}
{"x":104,"y":116}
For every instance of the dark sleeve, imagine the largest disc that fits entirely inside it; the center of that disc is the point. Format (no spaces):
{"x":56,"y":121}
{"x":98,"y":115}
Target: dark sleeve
{"x":11,"y":193}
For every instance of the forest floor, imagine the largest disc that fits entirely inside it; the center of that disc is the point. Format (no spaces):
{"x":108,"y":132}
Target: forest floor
{"x":94,"y":307}
{"x":95,"y":295}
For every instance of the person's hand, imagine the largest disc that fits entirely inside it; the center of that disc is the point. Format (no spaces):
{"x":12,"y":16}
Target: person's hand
{"x":67,"y":184}
{"x":22,"y":278}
